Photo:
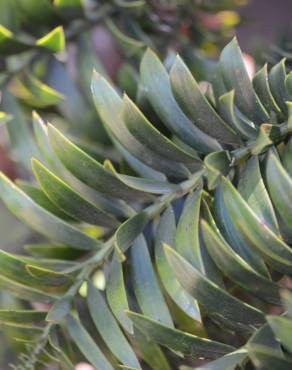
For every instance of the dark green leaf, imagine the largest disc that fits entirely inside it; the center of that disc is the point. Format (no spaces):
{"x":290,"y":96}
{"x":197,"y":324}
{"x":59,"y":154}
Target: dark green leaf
{"x":158,"y":91}
{"x":88,"y":170}
{"x":235,"y":240}
{"x":196,"y":106}
{"x":38,"y":196}
{"x":148,"y":135}
{"x":220,"y":305}
{"x":227,"y":362}
{"x":253,"y":191}
{"x":150,"y":352}
{"x":177,"y":340}
{"x":239,"y":123}
{"x":145,"y":284}
{"x":236,"y":77}
{"x":279,"y":184}
{"x":109,"y":329}
{"x":166,"y":234}
{"x":116,"y":294}
{"x":64,"y":197}
{"x":254,"y":231}
{"x":22,"y":317}
{"x":262,"y":87}
{"x":235,"y":268}
{"x":86,"y":344}
{"x":282,"y":328}
{"x":109,"y":106}
{"x":277,"y":78}
{"x":41,"y":220}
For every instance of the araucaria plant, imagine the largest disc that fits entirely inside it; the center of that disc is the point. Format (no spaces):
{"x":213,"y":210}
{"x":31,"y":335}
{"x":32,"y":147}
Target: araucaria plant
{"x":177,"y":257}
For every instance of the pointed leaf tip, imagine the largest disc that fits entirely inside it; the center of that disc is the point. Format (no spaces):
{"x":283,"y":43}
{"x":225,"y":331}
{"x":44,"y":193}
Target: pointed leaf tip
{"x":54,"y":40}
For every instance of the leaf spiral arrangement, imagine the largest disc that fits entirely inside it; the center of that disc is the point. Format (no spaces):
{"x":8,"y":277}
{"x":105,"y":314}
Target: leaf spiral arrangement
{"x":49,"y":48}
{"x":213,"y":188}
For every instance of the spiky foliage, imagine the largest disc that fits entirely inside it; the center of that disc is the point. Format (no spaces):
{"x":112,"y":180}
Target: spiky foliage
{"x":192,"y":233}
{"x":39,"y":70}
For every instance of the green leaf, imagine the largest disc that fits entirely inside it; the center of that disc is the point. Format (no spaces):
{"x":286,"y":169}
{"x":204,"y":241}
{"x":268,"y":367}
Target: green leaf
{"x":236,"y":77}
{"x":88,"y":170}
{"x":143,"y":184}
{"x":23,"y":334}
{"x":9,"y":44}
{"x":227,"y":362}
{"x":177,"y":340}
{"x":148,"y":135}
{"x":86,"y":344}
{"x":187,"y":234}
{"x":254,"y":231}
{"x":145,"y":284}
{"x":238,"y":122}
{"x":38,"y":196}
{"x":34,"y":92}
{"x":53,"y":251}
{"x":109,"y":106}
{"x":235,"y":240}
{"x":15,"y":268}
{"x":196,"y":106}
{"x":166,"y":234}
{"x":22,"y":318}
{"x":41,"y":220}
{"x":158,"y":91}
{"x":65,"y":3}
{"x":48,"y":276}
{"x":262,"y":87}
{"x":129,"y":45}
{"x":277,"y":78}
{"x":265,"y":358}
{"x":217,"y":164}
{"x":139,"y":167}
{"x":279,"y":185}
{"x":219,"y":304}
{"x":149,"y":351}
{"x":188,"y":243}
{"x":40,"y":130}
{"x":265,"y":337}
{"x":235,"y":268}
{"x":116,"y":294}
{"x":64,"y":197}
{"x":109,"y":329}
{"x":54,"y":40}
{"x":288,"y":82}
{"x":282,"y":328}
{"x":252,"y":188}
{"x":287,"y":157}
{"x":25,"y":292}
{"x":130,"y":230}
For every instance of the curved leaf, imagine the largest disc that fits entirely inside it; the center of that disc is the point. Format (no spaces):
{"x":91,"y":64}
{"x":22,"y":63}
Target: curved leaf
{"x":41,"y":220}
{"x":196,"y":106}
{"x":236,"y":77}
{"x":220,"y":305}
{"x":177,"y":340}
{"x":145,"y":284}
{"x":158,"y":91}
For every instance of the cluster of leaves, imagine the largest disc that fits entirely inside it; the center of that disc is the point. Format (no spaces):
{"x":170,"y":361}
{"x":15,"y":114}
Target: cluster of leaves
{"x":210,"y":178}
{"x":33,"y":35}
